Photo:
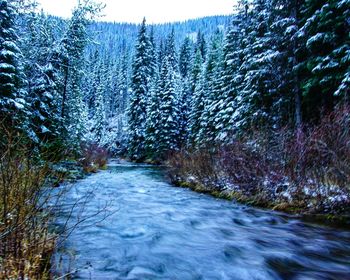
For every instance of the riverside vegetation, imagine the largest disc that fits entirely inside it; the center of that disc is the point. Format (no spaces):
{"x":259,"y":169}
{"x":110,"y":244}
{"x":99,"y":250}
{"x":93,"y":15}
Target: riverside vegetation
{"x":307,"y":174}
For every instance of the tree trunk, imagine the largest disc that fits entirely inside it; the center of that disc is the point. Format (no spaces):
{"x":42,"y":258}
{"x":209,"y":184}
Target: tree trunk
{"x":64,"y":94}
{"x":296,"y":87}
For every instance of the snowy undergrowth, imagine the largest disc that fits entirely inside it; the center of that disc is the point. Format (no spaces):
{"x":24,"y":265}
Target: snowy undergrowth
{"x":307,"y":172}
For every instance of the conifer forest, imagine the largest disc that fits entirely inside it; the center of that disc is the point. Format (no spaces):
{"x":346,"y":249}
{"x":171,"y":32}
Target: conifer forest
{"x":252,"y":109}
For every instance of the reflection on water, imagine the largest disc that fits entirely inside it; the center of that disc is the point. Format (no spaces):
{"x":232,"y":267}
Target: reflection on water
{"x":157,"y":231}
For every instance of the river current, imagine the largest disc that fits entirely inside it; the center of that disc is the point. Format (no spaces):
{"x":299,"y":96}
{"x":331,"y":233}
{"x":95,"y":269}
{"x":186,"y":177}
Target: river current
{"x":138,"y":226}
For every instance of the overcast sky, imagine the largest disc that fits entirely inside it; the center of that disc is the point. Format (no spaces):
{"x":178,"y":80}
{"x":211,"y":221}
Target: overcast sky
{"x":155,"y":11}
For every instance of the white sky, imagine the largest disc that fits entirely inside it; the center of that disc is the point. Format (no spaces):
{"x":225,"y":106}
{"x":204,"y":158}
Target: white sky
{"x":155,"y":11}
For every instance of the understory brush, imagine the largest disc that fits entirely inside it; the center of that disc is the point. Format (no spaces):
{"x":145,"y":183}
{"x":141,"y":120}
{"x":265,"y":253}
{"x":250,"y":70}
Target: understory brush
{"x":26,"y":244}
{"x":30,"y":199}
{"x":307,"y":170}
{"x":93,"y":157}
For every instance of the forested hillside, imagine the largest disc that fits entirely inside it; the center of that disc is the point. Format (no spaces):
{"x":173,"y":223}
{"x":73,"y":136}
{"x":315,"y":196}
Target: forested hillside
{"x":109,"y":64}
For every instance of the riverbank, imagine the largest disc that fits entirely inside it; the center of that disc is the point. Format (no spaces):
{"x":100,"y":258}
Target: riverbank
{"x":30,"y":195}
{"x":305,"y":173}
{"x":303,"y":207}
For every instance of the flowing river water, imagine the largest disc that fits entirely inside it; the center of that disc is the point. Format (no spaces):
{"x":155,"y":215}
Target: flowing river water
{"x":141,"y":227}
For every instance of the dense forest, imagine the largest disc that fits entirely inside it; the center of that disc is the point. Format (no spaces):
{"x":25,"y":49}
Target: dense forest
{"x":254,"y":106}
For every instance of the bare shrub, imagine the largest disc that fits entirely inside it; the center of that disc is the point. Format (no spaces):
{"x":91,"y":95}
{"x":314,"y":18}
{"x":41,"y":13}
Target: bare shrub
{"x":25,"y":242}
{"x":271,"y":162}
{"x":93,"y":157}
{"x":322,"y":152}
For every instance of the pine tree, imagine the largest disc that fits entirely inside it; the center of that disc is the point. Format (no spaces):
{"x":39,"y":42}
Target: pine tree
{"x":153,"y":54}
{"x":170,"y":50}
{"x":168,"y":131}
{"x":43,"y":74}
{"x":184,"y":106}
{"x":73,"y":108}
{"x":258,"y":68}
{"x":213,"y":72}
{"x":197,"y":108}
{"x":122,"y":85}
{"x":326,"y":77}
{"x":141,"y":78}
{"x":13,"y":107}
{"x":153,"y":117}
{"x":195,"y":98}
{"x":185,"y":68}
{"x":196,"y":70}
{"x":201,"y":44}
{"x":45,"y":117}
{"x":99,"y":120}
{"x":185,"y":60}
{"x":230,"y":81}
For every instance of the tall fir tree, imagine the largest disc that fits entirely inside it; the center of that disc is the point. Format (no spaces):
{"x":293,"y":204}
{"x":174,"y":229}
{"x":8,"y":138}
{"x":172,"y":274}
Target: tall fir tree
{"x":99,"y":119}
{"x":140,"y":84}
{"x":13,"y":106}
{"x":73,"y":108}
{"x":168,"y":127}
{"x":186,"y":57}
{"x":325,"y":27}
{"x":213,"y":68}
{"x":230,"y":81}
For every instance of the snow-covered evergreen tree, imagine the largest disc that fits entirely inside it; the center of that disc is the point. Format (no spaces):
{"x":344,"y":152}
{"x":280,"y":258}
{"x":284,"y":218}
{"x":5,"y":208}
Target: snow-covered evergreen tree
{"x":225,"y":118}
{"x":168,"y":127}
{"x":141,"y":79}
{"x":196,"y":70}
{"x":163,"y":122}
{"x":171,"y":52}
{"x":185,"y":59}
{"x":201,"y":44}
{"x":13,"y":107}
{"x":73,"y":109}
{"x":153,"y":117}
{"x":326,"y":33}
{"x":45,"y":118}
{"x":197,"y":108}
{"x":43,"y":74}
{"x":257,"y":64}
{"x":99,"y":119}
{"x":212,"y":90}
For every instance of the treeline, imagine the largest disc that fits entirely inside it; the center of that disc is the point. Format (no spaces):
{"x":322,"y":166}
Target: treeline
{"x":108,"y":72}
{"x":280,"y":63}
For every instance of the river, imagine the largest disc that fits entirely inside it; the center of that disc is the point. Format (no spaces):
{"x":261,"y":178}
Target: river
{"x":148,"y":229}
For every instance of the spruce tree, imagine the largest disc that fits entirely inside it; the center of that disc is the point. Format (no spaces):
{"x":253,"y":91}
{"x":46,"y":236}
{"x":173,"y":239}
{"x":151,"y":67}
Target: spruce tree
{"x":13,"y":106}
{"x":170,"y":50}
{"x":140,"y":83}
{"x":73,"y":108}
{"x":197,"y":109}
{"x":168,"y":128}
{"x":153,"y":118}
{"x":43,"y":74}
{"x":196,"y":70}
{"x":258,"y":67}
{"x":213,"y":72}
{"x":185,"y":59}
{"x":326,"y":35}
{"x":99,"y":119}
{"x":230,"y":81}
{"x":201,"y":44}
